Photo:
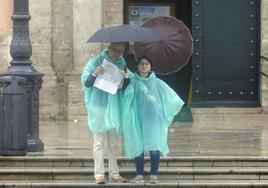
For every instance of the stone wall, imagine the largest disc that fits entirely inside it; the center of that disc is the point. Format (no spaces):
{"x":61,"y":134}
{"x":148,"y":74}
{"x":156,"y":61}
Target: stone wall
{"x":62,"y":50}
{"x":51,"y":36}
{"x":5,"y":41}
{"x":59,"y":30}
{"x":112,"y":12}
{"x":89,"y":16}
{"x":264,"y":52}
{"x":6,"y":9}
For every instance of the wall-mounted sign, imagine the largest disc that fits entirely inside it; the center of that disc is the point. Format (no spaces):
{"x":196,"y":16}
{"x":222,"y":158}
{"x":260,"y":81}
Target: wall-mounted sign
{"x":139,"y":14}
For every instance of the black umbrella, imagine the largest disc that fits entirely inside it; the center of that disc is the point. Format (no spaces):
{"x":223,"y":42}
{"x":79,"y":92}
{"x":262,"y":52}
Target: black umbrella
{"x":124,"y":33}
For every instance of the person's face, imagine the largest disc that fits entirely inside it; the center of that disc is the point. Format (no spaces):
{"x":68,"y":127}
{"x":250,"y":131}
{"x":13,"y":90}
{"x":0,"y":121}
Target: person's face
{"x":116,"y":51}
{"x":144,"y":66}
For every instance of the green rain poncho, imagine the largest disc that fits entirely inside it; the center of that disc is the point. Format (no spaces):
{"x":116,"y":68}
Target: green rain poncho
{"x":149,"y":108}
{"x":103,"y":108}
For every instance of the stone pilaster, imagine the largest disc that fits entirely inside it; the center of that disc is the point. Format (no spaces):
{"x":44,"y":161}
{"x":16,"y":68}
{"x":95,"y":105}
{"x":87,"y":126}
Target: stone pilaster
{"x":87,"y":18}
{"x":51,"y":34}
{"x":264,"y":52}
{"x":62,"y":53}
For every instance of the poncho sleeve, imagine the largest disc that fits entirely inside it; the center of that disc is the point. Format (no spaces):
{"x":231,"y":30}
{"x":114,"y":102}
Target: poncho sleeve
{"x":89,"y":68}
{"x":172,"y":103}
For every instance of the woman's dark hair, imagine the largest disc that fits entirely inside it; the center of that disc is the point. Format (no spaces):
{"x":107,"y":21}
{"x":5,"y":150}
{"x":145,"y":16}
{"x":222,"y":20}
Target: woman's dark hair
{"x":145,"y":57}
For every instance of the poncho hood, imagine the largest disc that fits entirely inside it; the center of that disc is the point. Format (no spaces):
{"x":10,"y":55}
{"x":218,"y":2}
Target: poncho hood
{"x":105,"y":53}
{"x":151,"y":76}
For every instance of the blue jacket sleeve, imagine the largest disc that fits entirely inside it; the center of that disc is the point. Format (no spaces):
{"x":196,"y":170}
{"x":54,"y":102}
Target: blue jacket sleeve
{"x":90,"y":80}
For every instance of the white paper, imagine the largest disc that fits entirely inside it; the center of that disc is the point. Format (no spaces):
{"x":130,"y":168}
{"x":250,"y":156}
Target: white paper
{"x":110,"y":79}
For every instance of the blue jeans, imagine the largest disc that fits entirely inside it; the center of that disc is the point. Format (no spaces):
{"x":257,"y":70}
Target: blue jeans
{"x":139,"y":162}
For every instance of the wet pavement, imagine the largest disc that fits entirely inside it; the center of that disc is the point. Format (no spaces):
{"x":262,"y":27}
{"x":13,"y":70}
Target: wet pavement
{"x":211,"y":134}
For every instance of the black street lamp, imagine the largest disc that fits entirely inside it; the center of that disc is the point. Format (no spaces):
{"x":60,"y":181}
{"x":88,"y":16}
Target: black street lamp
{"x":21,"y":51}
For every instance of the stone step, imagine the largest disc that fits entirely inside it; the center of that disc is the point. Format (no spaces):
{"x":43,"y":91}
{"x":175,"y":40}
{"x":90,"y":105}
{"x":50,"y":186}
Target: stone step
{"x":27,"y":161}
{"x":165,"y":173}
{"x":161,"y":184}
{"x":85,"y":183}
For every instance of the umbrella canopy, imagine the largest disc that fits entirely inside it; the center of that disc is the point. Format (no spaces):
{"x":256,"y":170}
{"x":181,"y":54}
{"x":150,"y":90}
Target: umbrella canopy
{"x":174,"y":49}
{"x":124,"y":33}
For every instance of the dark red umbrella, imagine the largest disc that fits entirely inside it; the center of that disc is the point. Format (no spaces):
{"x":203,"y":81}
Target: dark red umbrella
{"x":172,"y":51}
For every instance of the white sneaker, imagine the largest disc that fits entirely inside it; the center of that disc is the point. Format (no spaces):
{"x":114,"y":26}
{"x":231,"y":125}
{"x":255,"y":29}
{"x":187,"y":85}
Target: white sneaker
{"x":153,"y":179}
{"x":100,"y":179}
{"x":118,"y":179}
{"x":137,"y":179}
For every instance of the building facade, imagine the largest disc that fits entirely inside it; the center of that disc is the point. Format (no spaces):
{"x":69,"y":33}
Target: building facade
{"x":223,"y":73}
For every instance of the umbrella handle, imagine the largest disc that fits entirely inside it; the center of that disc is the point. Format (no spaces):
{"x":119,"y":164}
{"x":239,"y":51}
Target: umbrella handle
{"x":125,"y":68}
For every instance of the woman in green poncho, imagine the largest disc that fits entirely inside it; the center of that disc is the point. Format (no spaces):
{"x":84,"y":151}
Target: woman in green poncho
{"x":149,"y":108}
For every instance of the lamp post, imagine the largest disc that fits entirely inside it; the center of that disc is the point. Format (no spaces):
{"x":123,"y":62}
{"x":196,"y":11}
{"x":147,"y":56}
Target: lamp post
{"x":21,"y":51}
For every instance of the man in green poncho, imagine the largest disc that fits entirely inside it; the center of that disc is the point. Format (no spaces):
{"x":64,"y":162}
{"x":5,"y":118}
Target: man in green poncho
{"x":104,"y":110}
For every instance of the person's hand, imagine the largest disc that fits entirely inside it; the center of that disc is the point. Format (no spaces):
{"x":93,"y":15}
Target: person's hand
{"x":99,"y":70}
{"x":120,"y":86}
{"x":126,"y":73}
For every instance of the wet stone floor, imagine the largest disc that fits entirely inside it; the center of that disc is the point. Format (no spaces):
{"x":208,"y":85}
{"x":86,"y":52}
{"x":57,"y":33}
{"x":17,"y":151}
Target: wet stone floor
{"x":207,"y":135}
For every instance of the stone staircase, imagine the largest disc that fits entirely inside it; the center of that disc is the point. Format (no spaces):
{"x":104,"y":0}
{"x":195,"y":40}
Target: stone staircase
{"x":173,"y":172}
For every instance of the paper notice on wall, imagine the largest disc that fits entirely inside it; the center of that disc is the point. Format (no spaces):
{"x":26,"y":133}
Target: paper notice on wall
{"x":139,"y":14}
{"x":110,"y":79}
